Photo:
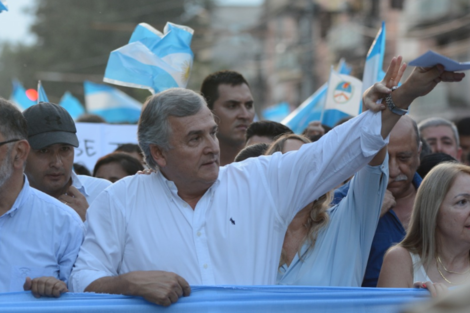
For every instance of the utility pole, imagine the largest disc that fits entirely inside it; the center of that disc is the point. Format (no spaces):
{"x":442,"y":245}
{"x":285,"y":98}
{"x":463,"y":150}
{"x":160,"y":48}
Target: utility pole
{"x":307,"y":51}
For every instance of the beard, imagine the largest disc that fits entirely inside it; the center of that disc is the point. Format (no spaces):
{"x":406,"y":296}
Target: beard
{"x":6,"y":169}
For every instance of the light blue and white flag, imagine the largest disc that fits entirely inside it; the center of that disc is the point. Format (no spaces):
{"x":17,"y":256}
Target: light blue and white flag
{"x":111,"y":104}
{"x":152,"y":60}
{"x":312,"y":108}
{"x":343,"y":98}
{"x":276,"y":112}
{"x":3,"y":5}
{"x":42,"y":97}
{"x":19,"y":97}
{"x":72,"y":105}
{"x":373,"y":69}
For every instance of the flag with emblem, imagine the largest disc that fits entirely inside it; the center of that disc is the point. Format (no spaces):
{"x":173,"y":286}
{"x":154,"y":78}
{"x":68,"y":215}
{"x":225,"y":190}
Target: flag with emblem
{"x":153,"y":60}
{"x":111,"y":104}
{"x":3,"y":5}
{"x":343,"y":98}
{"x":312,"y":108}
{"x":21,"y":97}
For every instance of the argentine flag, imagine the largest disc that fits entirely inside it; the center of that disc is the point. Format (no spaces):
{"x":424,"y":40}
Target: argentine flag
{"x":72,"y":105}
{"x":42,"y":97}
{"x":343,"y":98}
{"x":19,"y":97}
{"x":3,"y":5}
{"x":373,"y":71}
{"x":111,"y":104}
{"x":153,"y":60}
{"x":312,"y":108}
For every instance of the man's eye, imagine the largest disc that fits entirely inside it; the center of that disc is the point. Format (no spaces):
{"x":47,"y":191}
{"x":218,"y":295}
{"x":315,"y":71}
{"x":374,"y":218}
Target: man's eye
{"x":42,"y":151}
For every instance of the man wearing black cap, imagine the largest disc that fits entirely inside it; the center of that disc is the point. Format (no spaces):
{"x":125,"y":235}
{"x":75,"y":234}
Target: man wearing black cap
{"x":52,"y":136}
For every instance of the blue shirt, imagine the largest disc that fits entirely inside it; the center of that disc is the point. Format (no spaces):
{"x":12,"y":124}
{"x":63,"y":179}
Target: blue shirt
{"x":39,"y":236}
{"x":389,"y":232}
{"x":339,"y":256}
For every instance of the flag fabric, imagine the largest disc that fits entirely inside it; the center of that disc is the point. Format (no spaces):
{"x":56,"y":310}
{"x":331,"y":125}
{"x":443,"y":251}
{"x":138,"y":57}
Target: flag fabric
{"x":276,"y":112}
{"x":72,"y":105}
{"x":19,"y":97}
{"x":343,"y":98}
{"x":111,"y":104}
{"x":312,"y":108}
{"x":42,"y":97}
{"x":373,"y":69}
{"x":3,"y":5}
{"x":152,"y":60}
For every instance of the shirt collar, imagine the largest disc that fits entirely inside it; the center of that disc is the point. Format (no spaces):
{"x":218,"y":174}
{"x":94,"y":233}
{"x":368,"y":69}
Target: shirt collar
{"x":173,"y":189}
{"x":78,"y":184}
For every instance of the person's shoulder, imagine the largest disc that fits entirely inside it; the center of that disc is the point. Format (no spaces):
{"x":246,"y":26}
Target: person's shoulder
{"x":86,"y":180}
{"x":48,"y":205}
{"x":398,"y":253}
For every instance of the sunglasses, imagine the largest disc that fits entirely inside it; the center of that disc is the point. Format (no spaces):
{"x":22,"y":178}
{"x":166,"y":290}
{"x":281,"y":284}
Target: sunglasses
{"x":8,"y":141}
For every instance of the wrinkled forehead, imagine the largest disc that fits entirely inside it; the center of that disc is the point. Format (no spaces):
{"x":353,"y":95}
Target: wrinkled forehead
{"x":438,"y":132}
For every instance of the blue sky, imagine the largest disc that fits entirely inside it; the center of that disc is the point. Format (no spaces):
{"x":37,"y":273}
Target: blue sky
{"x":14,"y":24}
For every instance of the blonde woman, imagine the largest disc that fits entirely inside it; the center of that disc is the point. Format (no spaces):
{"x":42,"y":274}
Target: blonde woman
{"x":435,"y":253}
{"x":330,"y":247}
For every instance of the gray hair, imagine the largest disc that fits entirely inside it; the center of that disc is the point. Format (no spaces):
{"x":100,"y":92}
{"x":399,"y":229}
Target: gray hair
{"x":438,"y":121}
{"x":154,"y":128}
{"x":12,"y":122}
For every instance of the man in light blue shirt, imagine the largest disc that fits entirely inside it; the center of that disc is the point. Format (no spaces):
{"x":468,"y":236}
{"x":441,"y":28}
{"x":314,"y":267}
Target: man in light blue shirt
{"x":39,"y":236}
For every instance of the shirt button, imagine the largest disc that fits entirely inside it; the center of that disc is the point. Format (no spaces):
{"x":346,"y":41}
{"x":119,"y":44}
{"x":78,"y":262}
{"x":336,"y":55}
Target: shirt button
{"x":199,"y":234}
{"x":206,"y":266}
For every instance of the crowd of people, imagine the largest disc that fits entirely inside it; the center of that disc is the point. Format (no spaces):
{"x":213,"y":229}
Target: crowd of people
{"x":224,"y":200}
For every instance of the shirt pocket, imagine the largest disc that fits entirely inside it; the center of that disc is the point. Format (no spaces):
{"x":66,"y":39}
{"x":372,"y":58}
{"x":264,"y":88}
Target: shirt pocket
{"x":19,"y":274}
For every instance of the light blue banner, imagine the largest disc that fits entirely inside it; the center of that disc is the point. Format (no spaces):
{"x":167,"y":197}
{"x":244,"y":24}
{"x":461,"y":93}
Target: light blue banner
{"x":229,"y":299}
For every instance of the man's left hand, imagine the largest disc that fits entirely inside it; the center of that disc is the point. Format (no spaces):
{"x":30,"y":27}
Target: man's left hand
{"x":45,"y":286}
{"x":74,"y":199}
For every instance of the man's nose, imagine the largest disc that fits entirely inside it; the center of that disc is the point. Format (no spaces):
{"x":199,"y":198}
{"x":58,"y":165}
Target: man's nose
{"x":244,"y":112}
{"x":439,"y":146}
{"x":394,"y":169}
{"x":56,"y":160}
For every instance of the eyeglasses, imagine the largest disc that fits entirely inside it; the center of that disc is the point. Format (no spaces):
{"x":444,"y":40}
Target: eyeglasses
{"x":8,"y":141}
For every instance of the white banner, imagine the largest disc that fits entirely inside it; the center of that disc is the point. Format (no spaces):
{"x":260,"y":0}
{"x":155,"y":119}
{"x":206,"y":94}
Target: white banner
{"x":96,"y":140}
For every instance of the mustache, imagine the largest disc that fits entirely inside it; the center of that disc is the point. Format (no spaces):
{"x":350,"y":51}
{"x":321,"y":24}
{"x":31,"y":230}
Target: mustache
{"x":401,"y":177}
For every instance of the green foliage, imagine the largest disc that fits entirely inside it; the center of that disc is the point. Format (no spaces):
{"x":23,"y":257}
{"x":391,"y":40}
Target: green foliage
{"x":76,"y":37}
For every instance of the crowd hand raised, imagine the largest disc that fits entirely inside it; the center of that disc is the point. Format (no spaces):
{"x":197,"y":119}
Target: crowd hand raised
{"x":388,"y":203}
{"x":45,"y":286}
{"x":74,"y":199}
{"x":163,"y":288}
{"x":314,"y":129}
{"x":373,"y":97}
{"x":436,"y":289}
{"x":423,"y":80}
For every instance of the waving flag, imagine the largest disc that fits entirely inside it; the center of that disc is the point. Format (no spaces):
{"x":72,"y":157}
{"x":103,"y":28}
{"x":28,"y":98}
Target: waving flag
{"x":72,"y":105}
{"x":42,"y":97}
{"x":312,"y":108}
{"x":373,"y":71}
{"x":152,"y":60}
{"x":20,"y":98}
{"x":343,"y":98}
{"x":111,"y":104}
{"x":3,"y":5}
{"x":276,"y":112}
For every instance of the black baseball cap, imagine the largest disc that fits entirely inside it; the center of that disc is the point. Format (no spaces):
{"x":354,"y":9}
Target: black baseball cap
{"x":49,"y":124}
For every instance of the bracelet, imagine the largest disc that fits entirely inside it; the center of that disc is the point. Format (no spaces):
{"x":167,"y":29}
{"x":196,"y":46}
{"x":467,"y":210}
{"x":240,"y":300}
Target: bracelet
{"x":391,"y":106}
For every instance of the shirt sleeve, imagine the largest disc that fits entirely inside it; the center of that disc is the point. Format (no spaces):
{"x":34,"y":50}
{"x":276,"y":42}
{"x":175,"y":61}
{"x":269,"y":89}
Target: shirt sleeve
{"x":101,"y":252}
{"x":299,"y":177}
{"x":72,"y":239}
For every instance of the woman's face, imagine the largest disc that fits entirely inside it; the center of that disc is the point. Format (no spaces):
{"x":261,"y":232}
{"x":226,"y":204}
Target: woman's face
{"x":292,"y":144}
{"x":453,"y":218}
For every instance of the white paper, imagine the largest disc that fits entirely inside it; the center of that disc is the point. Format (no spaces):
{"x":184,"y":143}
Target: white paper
{"x":431,"y":58}
{"x":96,"y":140}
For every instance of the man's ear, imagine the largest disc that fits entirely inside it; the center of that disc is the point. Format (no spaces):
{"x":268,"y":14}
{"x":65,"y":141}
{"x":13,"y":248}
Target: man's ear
{"x":20,"y":153}
{"x":158,"y":155}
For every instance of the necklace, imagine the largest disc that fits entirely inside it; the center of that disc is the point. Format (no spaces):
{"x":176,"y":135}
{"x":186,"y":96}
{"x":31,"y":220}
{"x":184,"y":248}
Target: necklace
{"x":442,"y":275}
{"x":452,"y":272}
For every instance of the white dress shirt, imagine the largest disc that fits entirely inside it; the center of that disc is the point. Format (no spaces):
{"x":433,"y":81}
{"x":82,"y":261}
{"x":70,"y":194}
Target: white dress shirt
{"x":39,"y":236}
{"x":89,"y":186}
{"x":235,"y":233}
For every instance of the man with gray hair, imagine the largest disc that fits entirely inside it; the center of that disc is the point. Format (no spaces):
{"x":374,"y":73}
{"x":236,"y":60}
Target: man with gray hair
{"x":193,"y":222}
{"x":40,"y":236}
{"x":441,"y":135}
